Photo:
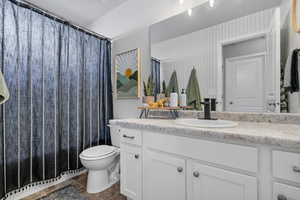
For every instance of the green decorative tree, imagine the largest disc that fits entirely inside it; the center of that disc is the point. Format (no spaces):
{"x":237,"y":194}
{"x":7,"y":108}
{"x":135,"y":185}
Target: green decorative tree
{"x":164,"y":88}
{"x":149,"y":87}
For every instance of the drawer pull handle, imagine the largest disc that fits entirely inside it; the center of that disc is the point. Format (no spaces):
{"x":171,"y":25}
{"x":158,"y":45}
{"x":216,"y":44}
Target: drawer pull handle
{"x":196,"y":174}
{"x":136,"y":156}
{"x":128,"y":137}
{"x":281,"y":197}
{"x":296,"y":169}
{"x":179,"y":169}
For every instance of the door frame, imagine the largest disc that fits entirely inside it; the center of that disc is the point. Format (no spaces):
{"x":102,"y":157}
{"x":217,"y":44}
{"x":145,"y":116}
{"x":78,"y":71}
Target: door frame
{"x":220,"y":65}
{"x":260,"y":54}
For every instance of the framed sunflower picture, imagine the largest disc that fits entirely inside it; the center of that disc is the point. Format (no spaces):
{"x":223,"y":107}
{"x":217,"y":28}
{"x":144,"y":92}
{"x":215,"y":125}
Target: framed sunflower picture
{"x":128,"y":69}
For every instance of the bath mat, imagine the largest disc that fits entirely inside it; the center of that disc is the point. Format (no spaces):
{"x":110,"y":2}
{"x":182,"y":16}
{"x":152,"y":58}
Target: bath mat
{"x":66,"y":193}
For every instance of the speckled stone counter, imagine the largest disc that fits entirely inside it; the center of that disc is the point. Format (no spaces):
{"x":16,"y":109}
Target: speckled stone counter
{"x":282,"y":118}
{"x":279,"y":135}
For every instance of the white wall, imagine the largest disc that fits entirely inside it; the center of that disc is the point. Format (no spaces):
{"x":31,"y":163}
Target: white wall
{"x":200,"y":49}
{"x":140,"y":39}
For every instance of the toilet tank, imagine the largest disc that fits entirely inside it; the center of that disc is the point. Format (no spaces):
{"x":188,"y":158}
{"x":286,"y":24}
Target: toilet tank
{"x":115,"y":135}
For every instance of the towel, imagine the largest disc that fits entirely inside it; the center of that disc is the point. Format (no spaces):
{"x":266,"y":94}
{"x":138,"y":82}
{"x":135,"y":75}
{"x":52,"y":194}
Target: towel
{"x":4,"y":94}
{"x":295,"y":71}
{"x":173,"y":84}
{"x":292,"y":72}
{"x":193,"y":92}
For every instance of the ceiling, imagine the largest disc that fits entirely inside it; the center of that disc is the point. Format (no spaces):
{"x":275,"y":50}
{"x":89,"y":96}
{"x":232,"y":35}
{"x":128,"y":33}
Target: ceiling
{"x":203,"y":16}
{"x":81,"y":12}
{"x":114,"y":18}
{"x":136,"y":14}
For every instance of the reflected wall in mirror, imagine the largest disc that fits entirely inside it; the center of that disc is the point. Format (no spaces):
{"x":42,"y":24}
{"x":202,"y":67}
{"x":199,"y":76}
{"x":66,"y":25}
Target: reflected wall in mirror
{"x":240,"y":51}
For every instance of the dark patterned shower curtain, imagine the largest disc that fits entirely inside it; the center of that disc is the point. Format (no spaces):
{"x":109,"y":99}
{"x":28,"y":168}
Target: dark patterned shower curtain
{"x":59,"y":80}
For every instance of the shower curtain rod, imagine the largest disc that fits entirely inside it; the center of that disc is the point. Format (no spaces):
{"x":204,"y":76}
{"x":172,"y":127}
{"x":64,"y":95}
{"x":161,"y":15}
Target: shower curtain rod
{"x":47,"y":13}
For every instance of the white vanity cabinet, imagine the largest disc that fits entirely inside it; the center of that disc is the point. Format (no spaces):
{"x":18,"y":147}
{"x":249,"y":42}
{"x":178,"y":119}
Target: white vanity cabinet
{"x":163,"y":177}
{"x":286,"y":167}
{"x":285,"y":192}
{"x":159,"y":166}
{"x":210,"y":183}
{"x":131,"y":164}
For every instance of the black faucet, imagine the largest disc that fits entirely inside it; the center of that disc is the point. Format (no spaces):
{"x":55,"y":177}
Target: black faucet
{"x":206,"y":104}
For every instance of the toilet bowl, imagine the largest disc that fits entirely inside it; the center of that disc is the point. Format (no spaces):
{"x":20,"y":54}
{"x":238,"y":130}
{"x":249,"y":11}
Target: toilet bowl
{"x":97,"y":161}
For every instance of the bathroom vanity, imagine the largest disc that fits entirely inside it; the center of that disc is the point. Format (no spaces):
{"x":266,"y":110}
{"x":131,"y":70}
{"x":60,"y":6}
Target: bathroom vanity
{"x":161,"y":160}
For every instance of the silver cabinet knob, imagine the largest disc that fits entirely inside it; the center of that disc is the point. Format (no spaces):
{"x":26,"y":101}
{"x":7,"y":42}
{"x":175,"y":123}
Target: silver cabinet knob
{"x":231,"y":102}
{"x":281,"y":197}
{"x":196,"y":174}
{"x":136,"y":156}
{"x":296,"y":169}
{"x":179,"y":169}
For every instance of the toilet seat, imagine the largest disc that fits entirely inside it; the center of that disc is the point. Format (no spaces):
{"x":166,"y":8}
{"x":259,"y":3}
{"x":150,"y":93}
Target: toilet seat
{"x":98,"y":152}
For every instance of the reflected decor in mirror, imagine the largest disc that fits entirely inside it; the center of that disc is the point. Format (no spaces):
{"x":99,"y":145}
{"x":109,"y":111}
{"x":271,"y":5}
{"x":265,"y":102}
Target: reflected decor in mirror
{"x":247,"y":62}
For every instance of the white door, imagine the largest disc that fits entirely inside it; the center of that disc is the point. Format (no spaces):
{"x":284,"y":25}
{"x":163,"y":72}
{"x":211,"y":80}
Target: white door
{"x":131,"y":171}
{"x":164,"y":177}
{"x":244,"y":84}
{"x":209,"y":183}
{"x":285,"y":192}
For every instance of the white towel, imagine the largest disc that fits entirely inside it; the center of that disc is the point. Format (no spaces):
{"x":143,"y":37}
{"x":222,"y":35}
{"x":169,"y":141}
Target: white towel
{"x":4,"y":93}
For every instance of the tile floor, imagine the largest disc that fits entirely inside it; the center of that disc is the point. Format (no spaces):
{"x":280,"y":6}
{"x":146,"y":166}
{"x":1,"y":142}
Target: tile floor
{"x":79,"y":183}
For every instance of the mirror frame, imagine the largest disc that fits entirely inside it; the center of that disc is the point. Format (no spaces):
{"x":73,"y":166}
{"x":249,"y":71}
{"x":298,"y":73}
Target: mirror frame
{"x":295,"y":24}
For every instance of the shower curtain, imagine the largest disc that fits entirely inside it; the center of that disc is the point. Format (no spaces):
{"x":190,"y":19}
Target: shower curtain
{"x":59,"y":79}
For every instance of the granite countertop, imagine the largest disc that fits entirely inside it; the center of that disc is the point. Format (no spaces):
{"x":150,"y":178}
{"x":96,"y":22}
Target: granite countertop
{"x":280,"y":135}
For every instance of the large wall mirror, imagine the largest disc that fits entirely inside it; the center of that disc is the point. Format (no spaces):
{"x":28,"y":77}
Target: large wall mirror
{"x":242,"y":52}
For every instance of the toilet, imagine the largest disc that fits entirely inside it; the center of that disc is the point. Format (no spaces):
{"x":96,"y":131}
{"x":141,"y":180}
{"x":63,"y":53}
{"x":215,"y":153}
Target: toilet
{"x":98,"y":160}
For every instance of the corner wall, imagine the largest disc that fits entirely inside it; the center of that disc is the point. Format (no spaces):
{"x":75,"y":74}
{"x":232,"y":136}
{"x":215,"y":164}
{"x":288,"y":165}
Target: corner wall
{"x":139,"y":39}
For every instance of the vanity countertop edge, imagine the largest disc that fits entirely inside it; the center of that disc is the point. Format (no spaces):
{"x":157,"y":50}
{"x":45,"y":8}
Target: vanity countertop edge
{"x":278,"y":135}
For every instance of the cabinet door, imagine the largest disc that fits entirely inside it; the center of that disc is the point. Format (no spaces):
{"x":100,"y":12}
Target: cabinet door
{"x":131,"y":172}
{"x":209,"y":183}
{"x":163,"y":177}
{"x":286,"y":192}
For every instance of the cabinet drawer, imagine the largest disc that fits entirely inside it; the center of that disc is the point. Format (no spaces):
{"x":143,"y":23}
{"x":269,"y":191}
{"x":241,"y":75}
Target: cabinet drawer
{"x":285,"y":192}
{"x":131,"y":136}
{"x":286,"y":166}
{"x":231,"y":155}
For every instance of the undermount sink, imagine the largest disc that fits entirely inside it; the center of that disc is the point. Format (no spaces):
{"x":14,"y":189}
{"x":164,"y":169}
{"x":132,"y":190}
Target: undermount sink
{"x":199,"y":123}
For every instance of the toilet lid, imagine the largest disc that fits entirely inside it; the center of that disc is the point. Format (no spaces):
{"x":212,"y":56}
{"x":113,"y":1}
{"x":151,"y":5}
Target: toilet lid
{"x":98,"y":151}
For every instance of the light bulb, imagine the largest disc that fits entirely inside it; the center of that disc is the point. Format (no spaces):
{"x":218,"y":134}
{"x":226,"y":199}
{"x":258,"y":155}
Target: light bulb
{"x":181,"y":2}
{"x":190,"y":12}
{"x":211,"y":3}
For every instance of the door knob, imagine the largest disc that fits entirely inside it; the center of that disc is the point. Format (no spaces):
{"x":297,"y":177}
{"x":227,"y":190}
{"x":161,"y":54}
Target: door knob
{"x":281,"y":197}
{"x":196,"y":174}
{"x":179,"y":169}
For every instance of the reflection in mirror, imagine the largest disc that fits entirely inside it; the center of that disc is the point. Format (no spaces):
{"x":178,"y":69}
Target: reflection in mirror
{"x":247,"y":61}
